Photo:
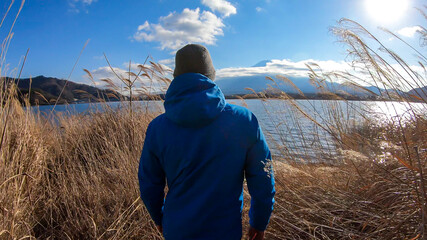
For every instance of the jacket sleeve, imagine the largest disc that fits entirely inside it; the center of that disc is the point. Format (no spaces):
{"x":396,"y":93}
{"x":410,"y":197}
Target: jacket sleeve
{"x":260,"y":181}
{"x":151,"y":180}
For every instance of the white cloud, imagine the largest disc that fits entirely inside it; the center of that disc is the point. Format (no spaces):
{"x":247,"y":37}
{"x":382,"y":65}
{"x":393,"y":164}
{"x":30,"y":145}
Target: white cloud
{"x":284,"y":67}
{"x":259,"y":9}
{"x":87,"y":2}
{"x":272,"y":68}
{"x":142,"y":84}
{"x":169,"y":62}
{"x":299,"y":69}
{"x":76,"y":5}
{"x":221,"y":6}
{"x":145,"y":26}
{"x":409,"y":31}
{"x":99,"y":57}
{"x":135,"y":66}
{"x":178,"y":29}
{"x":84,"y":2}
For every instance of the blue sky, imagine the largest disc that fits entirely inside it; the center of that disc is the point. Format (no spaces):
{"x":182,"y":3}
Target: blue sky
{"x":238,"y":33}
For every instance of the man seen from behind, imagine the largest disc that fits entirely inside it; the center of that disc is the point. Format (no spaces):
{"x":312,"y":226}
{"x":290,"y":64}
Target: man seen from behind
{"x":203,"y":148}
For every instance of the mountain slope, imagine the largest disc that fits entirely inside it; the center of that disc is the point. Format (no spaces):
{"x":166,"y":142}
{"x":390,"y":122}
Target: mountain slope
{"x":419,"y":93}
{"x":237,"y":85}
{"x":262,"y":63}
{"x":45,"y":90}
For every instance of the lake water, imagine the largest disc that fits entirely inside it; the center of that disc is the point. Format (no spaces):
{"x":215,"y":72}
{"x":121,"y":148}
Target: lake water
{"x":293,"y":128}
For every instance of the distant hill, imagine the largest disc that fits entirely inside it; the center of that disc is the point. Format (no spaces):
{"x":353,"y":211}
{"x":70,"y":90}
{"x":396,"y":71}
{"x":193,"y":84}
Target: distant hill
{"x":45,"y":90}
{"x":237,"y":85}
{"x":418,"y":93}
{"x":262,"y":63}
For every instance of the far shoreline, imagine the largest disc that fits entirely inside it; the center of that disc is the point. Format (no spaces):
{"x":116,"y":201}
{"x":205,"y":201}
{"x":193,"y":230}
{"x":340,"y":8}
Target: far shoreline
{"x":234,"y":97}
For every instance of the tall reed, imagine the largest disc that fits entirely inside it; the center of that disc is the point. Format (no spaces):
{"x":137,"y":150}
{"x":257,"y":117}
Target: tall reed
{"x":376,"y":185}
{"x":74,"y":176}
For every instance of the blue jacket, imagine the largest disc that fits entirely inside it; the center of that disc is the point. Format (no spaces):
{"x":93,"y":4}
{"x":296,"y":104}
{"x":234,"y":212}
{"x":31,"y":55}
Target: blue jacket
{"x":203,"y":147}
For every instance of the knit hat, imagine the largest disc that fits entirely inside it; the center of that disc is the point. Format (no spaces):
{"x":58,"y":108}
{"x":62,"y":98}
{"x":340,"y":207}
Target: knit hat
{"x":194,"y":58}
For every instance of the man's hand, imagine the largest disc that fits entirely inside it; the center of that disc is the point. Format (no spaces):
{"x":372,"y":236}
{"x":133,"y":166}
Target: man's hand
{"x":160,"y":228}
{"x":254,"y":234}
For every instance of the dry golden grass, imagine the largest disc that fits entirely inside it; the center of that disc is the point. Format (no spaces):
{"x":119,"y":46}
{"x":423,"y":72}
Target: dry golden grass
{"x":75,"y":176}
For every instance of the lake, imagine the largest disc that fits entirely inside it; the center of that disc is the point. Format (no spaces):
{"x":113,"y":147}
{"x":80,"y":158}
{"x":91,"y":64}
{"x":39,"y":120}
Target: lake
{"x":289,"y":132}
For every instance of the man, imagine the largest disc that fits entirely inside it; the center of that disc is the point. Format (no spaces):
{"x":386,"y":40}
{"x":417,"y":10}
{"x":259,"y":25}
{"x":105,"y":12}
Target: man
{"x":203,"y":148}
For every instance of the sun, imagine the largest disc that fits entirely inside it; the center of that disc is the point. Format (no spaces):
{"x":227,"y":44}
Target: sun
{"x":386,"y":11}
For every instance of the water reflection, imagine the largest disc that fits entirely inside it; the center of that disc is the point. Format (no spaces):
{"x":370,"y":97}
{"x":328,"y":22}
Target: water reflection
{"x":297,"y":129}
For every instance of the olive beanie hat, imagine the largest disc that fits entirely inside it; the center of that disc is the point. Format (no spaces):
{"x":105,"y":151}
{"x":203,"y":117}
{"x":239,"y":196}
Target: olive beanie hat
{"x":194,"y":58}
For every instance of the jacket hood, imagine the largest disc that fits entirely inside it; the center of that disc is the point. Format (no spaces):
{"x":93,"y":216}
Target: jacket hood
{"x":193,"y":100}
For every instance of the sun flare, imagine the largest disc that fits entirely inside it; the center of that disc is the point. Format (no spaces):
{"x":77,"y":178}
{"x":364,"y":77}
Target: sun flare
{"x":386,"y":11}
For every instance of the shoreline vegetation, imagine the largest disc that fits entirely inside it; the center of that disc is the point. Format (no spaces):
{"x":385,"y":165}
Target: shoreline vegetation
{"x":75,"y":176}
{"x":43,"y":90}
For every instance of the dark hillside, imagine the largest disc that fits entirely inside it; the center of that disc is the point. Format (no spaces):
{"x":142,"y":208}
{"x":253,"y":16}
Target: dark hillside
{"x":45,"y":90}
